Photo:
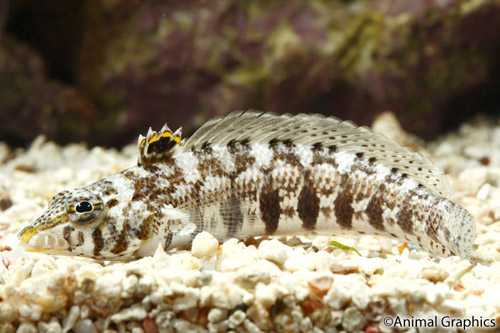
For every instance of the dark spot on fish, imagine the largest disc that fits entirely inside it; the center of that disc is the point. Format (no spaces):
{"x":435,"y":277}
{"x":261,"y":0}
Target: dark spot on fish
{"x":343,"y":204}
{"x":98,"y":241}
{"x":308,"y":204}
{"x":269,"y":204}
{"x":404,"y":218}
{"x":111,"y":203}
{"x":374,"y":212}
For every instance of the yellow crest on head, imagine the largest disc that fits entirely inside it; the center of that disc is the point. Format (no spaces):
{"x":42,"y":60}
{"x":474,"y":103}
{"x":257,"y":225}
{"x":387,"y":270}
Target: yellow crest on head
{"x":158,"y":147}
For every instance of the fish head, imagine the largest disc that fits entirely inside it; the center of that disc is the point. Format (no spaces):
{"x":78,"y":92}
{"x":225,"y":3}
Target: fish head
{"x":100,"y":221}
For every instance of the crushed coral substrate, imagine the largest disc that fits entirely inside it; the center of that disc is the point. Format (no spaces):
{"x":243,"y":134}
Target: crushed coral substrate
{"x":293,"y":284}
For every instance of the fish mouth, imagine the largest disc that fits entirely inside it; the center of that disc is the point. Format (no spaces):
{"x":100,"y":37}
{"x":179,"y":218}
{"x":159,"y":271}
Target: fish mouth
{"x":35,"y":240}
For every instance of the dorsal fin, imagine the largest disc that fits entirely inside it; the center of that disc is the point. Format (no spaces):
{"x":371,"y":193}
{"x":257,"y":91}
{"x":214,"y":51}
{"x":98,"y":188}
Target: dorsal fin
{"x":311,"y":130}
{"x":158,"y":146}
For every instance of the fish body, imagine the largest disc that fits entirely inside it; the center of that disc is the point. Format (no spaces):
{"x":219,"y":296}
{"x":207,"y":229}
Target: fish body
{"x":252,"y":174}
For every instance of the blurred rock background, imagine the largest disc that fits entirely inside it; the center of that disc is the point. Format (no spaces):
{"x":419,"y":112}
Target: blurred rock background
{"x":103,"y":71}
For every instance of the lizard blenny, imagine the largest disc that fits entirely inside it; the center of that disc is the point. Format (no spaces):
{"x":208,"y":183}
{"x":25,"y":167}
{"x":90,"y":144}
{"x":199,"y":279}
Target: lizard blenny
{"x":254,"y":173}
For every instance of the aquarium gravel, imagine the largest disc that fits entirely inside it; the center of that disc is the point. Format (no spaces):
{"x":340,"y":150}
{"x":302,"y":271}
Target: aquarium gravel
{"x":293,"y":284}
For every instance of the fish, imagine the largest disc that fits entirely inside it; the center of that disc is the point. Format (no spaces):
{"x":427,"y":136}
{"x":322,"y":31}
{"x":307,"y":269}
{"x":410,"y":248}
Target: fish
{"x":254,"y":173}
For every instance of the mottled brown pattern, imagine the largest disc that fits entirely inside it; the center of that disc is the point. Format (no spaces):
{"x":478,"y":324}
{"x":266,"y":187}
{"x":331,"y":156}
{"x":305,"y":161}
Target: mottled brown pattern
{"x":284,"y":151}
{"x":322,"y":156}
{"x":110,"y":191}
{"x":98,"y":241}
{"x":288,"y":157}
{"x":269,"y":204}
{"x":404,"y":218}
{"x":211,"y":165}
{"x":121,"y":241}
{"x":433,"y":223}
{"x":148,"y":186}
{"x":235,"y":146}
{"x":111,"y":203}
{"x":242,"y":161}
{"x":144,"y":230}
{"x":308,"y":203}
{"x":129,"y":175}
{"x":343,"y":204}
{"x":374,"y":209}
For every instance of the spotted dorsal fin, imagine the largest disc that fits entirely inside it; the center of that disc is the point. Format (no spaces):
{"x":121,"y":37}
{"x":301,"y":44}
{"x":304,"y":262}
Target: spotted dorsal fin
{"x":319,"y":131}
{"x":158,"y":146}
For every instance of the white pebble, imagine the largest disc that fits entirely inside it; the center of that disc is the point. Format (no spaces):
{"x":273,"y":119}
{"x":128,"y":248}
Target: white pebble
{"x":337,"y":297}
{"x":24,"y":310}
{"x":250,"y":326}
{"x":360,"y":295}
{"x":274,"y":251}
{"x":335,"y":318}
{"x":248,"y":277}
{"x":237,"y":318}
{"x":71,"y":318}
{"x":188,"y":300}
{"x":215,"y":315}
{"x":135,"y":312}
{"x":27,"y":327}
{"x":129,"y":285}
{"x":164,"y":321}
{"x":222,"y":326}
{"x":353,"y":319}
{"x":306,"y":325}
{"x":266,"y":294}
{"x":483,"y":192}
{"x":204,"y":245}
{"x":84,"y":326}
{"x":52,"y":326}
{"x":299,"y":260}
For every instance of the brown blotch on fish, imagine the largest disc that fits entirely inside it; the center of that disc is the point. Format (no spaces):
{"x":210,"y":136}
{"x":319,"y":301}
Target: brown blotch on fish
{"x":308,"y":204}
{"x":343,"y":204}
{"x":111,"y":203}
{"x":144,"y":230}
{"x":374,"y":209}
{"x":110,"y":191}
{"x":242,"y":161}
{"x":98,"y":241}
{"x":269,"y":204}
{"x":121,"y":242}
{"x":404,"y":218}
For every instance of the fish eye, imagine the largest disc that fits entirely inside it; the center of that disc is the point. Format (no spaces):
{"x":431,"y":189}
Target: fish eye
{"x":83,"y":207}
{"x":85,"y":211}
